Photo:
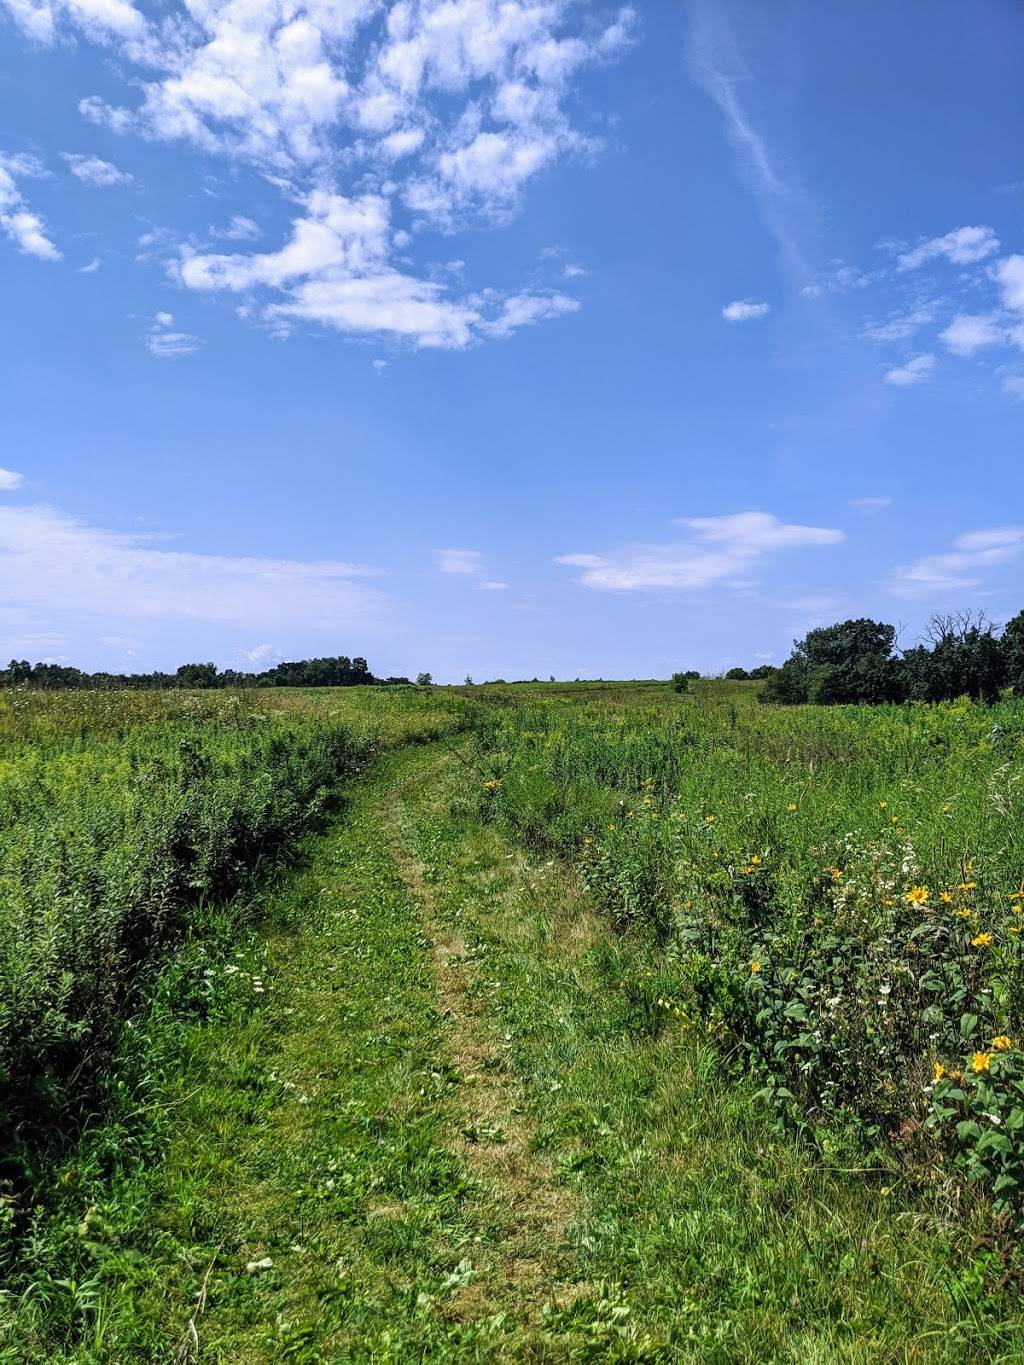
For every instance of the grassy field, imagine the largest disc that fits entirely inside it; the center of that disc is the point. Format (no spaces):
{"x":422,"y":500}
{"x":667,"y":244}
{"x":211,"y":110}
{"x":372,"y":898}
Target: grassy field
{"x":552,"y":1022}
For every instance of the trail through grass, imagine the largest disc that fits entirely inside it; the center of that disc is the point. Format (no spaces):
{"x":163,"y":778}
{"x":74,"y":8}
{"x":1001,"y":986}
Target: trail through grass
{"x":436,"y":1111}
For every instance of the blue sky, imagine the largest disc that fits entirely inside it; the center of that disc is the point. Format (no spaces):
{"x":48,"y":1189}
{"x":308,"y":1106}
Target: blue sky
{"x":505,"y":337}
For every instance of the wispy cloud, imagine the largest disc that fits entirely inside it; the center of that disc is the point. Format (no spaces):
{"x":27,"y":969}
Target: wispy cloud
{"x":25,"y":228}
{"x":167,"y":343}
{"x":744,"y":310}
{"x":876,"y":504}
{"x":722,"y":550}
{"x":915,"y":371}
{"x":718,"y":69}
{"x":95,"y":173}
{"x":459,"y":561}
{"x":971,"y":332}
{"x":9,"y":480}
{"x":962,"y":246}
{"x":63,"y":568}
{"x":963,"y":566}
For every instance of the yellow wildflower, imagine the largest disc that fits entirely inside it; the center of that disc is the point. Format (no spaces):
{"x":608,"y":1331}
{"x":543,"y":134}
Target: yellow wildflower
{"x":1002,"y":1043}
{"x":967,"y":886}
{"x":882,"y":805}
{"x":756,"y":859}
{"x":755,"y":967}
{"x":981,"y":1061}
{"x":917,"y":895}
{"x":894,"y":820}
{"x":981,"y":940}
{"x":938,"y":1070}
{"x":791,"y":806}
{"x":588,"y":839}
{"x":946,"y":897}
{"x":710,"y":819}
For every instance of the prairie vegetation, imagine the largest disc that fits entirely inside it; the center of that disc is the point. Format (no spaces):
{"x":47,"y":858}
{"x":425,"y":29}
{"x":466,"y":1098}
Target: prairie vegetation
{"x":553,"y":1022}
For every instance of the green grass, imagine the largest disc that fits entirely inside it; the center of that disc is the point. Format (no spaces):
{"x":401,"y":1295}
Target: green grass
{"x":461,"y":1122}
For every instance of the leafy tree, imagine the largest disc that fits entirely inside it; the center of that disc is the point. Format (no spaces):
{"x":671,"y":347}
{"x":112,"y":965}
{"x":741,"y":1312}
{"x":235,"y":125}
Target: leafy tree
{"x":423,"y":679}
{"x":851,"y":661}
{"x":1013,"y":653}
{"x":737,"y":675}
{"x":966,"y":659}
{"x":681,"y":682}
{"x":196,"y":675}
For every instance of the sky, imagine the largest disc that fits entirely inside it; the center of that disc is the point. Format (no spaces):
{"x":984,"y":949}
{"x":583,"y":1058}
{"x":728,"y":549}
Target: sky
{"x":505,"y":338}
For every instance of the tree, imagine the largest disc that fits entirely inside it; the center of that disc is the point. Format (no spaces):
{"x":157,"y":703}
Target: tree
{"x":681,"y":682}
{"x":967,"y":659}
{"x":197,"y":675}
{"x":851,"y":661}
{"x":423,"y":679}
{"x":1013,"y":653}
{"x":737,"y":675}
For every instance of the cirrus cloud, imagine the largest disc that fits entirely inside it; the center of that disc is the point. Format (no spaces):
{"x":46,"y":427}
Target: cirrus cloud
{"x":721,"y":550}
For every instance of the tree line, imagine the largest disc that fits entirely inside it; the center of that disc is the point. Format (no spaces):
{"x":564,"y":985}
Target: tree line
{"x":962,"y":654}
{"x":337,"y":671}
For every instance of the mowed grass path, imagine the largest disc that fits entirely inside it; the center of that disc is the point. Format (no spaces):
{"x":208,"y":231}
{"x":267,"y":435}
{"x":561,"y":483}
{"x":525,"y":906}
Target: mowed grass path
{"x":436,"y":1113}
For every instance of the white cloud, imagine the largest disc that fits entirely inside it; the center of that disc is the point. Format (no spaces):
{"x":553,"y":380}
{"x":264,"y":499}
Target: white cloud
{"x":963,"y":566}
{"x":335,"y":269}
{"x":902,"y":325}
{"x":459,"y":561}
{"x":261,"y":655}
{"x":962,"y":246}
{"x":240,"y":229}
{"x":58,"y":566}
{"x":914,"y":371}
{"x":166,"y":343}
{"x":1009,"y":274}
{"x":722,"y":550}
{"x":91,"y":268}
{"x":460,"y":103}
{"x":9,"y":479}
{"x":1013,"y":384}
{"x":24,"y":227}
{"x":871,"y":504}
{"x":742,"y":310}
{"x":95,"y":173}
{"x":969,"y":332}
{"x":492,"y":585}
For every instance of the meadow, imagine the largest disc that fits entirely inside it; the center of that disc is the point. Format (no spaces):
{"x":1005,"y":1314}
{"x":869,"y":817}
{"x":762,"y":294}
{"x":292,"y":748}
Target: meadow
{"x":513,"y":1022}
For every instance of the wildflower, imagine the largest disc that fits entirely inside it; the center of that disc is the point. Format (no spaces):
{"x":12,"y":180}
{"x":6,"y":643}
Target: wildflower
{"x":1002,"y":1043}
{"x":709,"y":819}
{"x":882,"y":805}
{"x":837,"y":875}
{"x":965,"y":912}
{"x":938,"y":1071}
{"x":981,"y":940}
{"x":687,"y":905}
{"x":746,"y":870}
{"x":981,"y":1061}
{"x":756,"y":859}
{"x":755,"y":966}
{"x":946,"y":897}
{"x":946,"y":808}
{"x":917,"y":895}
{"x":587,"y":839}
{"x":791,"y":806}
{"x":967,"y":886}
{"x":1014,"y":928}
{"x":894,"y":820}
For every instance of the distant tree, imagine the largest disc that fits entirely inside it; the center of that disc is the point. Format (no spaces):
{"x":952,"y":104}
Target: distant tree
{"x":196,"y":675}
{"x":681,"y":682}
{"x":966,"y":659}
{"x":423,"y":679}
{"x":1013,"y":653}
{"x":693,"y":674}
{"x":763,"y":671}
{"x":469,"y":681}
{"x":851,"y":661}
{"x":737,"y":675}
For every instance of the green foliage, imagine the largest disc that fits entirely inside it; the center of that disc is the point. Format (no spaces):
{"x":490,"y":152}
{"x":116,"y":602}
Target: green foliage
{"x":838,"y":888}
{"x":680,"y":682}
{"x":123,"y":815}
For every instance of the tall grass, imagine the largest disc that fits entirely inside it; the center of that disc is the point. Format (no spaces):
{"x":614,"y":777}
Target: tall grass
{"x":122,"y":814}
{"x":840,"y":889}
